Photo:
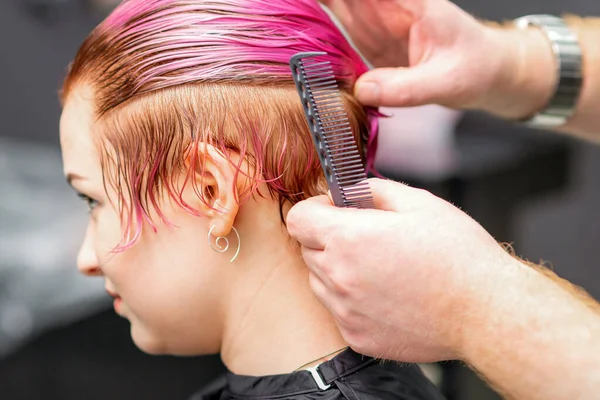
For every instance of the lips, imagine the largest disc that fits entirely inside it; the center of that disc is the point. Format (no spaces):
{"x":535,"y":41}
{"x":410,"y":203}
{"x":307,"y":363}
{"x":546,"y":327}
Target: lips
{"x":117,"y":303}
{"x":112,"y":294}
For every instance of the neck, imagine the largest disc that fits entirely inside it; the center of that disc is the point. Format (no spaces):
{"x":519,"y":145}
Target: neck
{"x":274,"y":324}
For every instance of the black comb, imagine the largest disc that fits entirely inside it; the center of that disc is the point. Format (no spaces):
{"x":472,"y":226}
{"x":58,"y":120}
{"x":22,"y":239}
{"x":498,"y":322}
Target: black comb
{"x":331,"y":130}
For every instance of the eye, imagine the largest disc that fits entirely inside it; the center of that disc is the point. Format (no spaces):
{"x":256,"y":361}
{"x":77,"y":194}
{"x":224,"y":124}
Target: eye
{"x":91,"y":203}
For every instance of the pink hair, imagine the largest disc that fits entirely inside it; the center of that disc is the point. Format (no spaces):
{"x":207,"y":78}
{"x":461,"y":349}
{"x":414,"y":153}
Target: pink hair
{"x":146,"y":47}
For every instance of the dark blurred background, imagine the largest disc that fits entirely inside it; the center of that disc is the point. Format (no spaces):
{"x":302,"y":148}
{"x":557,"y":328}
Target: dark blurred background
{"x":59,"y":338}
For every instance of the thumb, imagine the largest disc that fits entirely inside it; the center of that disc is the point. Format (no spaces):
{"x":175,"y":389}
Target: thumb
{"x":322,"y":199}
{"x":405,"y":87}
{"x":311,"y":221}
{"x":394,"y":196}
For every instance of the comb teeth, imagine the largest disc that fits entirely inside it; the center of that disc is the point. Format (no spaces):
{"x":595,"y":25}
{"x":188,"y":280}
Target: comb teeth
{"x":331,"y":131}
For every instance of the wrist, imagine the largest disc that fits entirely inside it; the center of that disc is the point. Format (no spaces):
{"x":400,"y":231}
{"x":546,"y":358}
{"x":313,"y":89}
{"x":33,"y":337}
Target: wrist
{"x":530,"y":326}
{"x":525,"y":74}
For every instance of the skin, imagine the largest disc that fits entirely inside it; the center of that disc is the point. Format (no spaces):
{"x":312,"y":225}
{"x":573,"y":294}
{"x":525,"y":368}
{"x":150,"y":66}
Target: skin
{"x":419,"y":280}
{"x":181,"y":297}
{"x":431,"y":51}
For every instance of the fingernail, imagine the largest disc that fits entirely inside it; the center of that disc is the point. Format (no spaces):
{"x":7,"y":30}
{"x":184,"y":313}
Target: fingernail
{"x":368,"y":92}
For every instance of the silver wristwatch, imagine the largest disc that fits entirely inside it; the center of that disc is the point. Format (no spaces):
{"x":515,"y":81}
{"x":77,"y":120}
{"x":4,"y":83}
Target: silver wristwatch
{"x":567,"y":53}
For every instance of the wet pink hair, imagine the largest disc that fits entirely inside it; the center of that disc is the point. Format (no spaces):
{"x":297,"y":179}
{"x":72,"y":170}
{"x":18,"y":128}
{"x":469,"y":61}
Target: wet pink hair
{"x":170,"y":74}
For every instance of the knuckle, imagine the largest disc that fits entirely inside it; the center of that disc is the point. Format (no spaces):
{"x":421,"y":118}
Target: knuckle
{"x":330,"y":239}
{"x":314,"y":260}
{"x":347,"y":315}
{"x":344,"y":314}
{"x":307,"y":255}
{"x":317,"y":285}
{"x":345,"y":282}
{"x":423,"y":198}
{"x":356,"y":340}
{"x":346,"y":239}
{"x":325,"y":268}
{"x":292,"y":220}
{"x":298,"y":216}
{"x":427,"y":196}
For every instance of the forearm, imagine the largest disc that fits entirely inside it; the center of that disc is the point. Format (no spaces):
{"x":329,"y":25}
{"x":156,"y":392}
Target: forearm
{"x":526,"y":75}
{"x":536,"y":338}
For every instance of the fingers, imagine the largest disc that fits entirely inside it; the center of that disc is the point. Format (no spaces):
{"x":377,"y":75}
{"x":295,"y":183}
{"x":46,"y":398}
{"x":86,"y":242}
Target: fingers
{"x":326,"y":292}
{"x":314,"y":260}
{"x":395,"y":196}
{"x":319,"y":288}
{"x":327,"y":297}
{"x":311,"y":221}
{"x":386,"y":193}
{"x":319,"y":280}
{"x":404,"y":87}
{"x":323,"y":199}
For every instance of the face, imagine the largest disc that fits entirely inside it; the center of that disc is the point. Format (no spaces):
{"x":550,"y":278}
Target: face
{"x":169,"y":284}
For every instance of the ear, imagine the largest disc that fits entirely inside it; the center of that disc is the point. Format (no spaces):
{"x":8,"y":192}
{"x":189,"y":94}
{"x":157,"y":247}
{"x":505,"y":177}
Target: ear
{"x":215,"y":175}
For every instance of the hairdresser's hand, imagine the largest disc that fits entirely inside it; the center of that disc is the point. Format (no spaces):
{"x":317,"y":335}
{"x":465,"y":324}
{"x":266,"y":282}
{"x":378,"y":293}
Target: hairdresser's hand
{"x":401,"y":281}
{"x":421,"y":281}
{"x":431,"y":51}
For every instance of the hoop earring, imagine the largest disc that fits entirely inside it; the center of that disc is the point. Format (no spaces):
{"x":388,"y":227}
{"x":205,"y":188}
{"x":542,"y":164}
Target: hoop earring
{"x":220,"y":248}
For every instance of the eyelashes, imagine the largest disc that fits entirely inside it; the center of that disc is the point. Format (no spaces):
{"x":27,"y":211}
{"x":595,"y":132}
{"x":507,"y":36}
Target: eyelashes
{"x":91,"y":203}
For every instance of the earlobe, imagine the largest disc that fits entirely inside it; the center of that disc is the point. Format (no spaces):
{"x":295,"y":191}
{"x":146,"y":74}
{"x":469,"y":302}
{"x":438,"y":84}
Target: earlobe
{"x":215,"y":174}
{"x":223,"y":216}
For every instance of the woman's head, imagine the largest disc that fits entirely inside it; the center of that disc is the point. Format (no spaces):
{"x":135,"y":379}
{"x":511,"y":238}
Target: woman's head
{"x":175,"y":109}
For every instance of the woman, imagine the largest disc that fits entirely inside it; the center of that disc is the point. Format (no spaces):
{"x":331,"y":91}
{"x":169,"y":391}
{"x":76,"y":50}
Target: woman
{"x":182,"y":130}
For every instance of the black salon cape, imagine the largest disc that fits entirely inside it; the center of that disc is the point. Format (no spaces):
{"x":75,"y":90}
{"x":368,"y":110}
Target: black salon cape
{"x":351,"y":376}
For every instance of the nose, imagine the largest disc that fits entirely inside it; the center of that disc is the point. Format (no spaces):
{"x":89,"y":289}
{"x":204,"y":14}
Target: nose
{"x":87,"y":261}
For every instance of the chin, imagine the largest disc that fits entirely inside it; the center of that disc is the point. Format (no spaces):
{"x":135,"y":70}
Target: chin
{"x":147,"y":342}
{"x":156,"y":346}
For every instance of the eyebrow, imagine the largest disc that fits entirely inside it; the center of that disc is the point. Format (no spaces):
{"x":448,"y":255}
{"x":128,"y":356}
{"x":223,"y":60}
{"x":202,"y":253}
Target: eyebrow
{"x":71,"y":177}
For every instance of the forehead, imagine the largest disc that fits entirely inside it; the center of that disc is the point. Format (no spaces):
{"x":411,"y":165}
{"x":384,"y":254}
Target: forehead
{"x":76,"y":140}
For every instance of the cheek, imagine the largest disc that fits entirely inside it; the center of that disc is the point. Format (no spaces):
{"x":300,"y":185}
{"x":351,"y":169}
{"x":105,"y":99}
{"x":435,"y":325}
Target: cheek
{"x":107,"y":232}
{"x":171,"y":283}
